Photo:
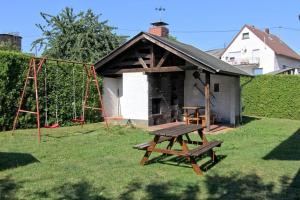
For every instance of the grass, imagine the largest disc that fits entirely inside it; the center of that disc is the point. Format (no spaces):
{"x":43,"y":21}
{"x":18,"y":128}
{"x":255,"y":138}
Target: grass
{"x":261,"y":161}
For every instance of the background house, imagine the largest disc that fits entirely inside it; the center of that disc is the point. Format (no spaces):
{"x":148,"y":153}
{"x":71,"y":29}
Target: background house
{"x":260,"y":52}
{"x":12,"y":38}
{"x":150,"y":78}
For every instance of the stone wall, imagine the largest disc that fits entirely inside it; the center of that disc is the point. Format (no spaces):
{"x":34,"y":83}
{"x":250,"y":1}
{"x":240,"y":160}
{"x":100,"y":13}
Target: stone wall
{"x":166,"y":91}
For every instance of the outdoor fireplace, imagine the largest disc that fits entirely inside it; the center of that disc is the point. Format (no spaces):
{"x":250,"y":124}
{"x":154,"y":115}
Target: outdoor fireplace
{"x":166,"y":96}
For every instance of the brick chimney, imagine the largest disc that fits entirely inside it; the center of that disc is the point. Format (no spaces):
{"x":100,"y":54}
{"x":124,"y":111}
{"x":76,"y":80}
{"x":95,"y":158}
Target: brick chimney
{"x":267,"y":31}
{"x":159,"y":29}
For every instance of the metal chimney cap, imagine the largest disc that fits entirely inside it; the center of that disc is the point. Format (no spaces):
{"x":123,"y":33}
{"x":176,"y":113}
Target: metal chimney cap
{"x":160,"y":23}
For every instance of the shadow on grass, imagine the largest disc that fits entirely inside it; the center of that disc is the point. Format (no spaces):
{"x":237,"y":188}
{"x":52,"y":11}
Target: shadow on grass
{"x":248,"y":119}
{"x":234,"y":186}
{"x":73,"y":191}
{"x":212,"y":187}
{"x":8,"y":188}
{"x":74,"y":134}
{"x":180,"y":161}
{"x":287,"y":150}
{"x":167,"y":190}
{"x":10,"y":160}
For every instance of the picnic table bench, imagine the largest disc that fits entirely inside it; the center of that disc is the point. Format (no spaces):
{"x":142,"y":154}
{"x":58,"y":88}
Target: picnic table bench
{"x":175,"y":134}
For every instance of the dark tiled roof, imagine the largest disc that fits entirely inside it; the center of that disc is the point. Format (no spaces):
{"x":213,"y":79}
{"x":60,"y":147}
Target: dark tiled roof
{"x":200,"y":56}
{"x":216,"y":52}
{"x":280,"y":71}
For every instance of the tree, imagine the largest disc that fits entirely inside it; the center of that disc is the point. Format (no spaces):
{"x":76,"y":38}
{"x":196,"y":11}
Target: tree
{"x":80,"y":37}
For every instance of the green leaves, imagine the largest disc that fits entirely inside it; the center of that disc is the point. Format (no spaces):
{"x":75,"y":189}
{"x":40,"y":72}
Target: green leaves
{"x":81,"y":37}
{"x":275,"y":96}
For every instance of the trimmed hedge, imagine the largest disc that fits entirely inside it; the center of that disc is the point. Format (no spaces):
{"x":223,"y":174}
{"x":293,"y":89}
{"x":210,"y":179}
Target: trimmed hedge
{"x":275,"y":96}
{"x":13,"y":68}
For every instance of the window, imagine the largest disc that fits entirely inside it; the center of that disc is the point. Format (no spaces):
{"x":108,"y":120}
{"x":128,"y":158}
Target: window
{"x":216,"y":87}
{"x":156,"y":106}
{"x":245,"y":36}
{"x":257,"y":71}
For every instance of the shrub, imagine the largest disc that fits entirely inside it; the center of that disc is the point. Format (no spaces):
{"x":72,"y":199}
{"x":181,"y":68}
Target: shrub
{"x":275,"y":96}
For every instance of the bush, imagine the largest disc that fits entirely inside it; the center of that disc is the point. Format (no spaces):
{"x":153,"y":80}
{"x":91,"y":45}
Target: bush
{"x":275,"y":96}
{"x":60,"y":87}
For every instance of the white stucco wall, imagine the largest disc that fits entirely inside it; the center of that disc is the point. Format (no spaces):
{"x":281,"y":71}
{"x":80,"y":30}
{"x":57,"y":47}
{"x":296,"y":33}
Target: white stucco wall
{"x":251,"y":48}
{"x":225,"y":105}
{"x":134,"y":101}
{"x":111,"y":99}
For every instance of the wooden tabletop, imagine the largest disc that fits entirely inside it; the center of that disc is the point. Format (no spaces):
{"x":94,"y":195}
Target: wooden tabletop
{"x":193,"y":107}
{"x":176,"y":131}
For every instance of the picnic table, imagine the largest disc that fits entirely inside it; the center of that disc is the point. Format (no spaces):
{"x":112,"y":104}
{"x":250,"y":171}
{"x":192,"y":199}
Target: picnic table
{"x":175,"y":134}
{"x":195,"y":113}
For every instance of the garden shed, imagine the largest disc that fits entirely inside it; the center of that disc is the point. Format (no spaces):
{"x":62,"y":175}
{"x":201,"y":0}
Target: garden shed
{"x":150,"y":78}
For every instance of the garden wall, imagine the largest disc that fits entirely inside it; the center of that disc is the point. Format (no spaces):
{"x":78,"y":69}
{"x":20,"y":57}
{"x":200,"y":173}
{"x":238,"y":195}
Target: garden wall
{"x":275,"y":96}
{"x":60,"y":86}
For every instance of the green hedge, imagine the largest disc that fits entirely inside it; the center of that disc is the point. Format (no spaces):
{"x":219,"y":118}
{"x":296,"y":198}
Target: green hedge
{"x":13,"y":68}
{"x":275,"y":96}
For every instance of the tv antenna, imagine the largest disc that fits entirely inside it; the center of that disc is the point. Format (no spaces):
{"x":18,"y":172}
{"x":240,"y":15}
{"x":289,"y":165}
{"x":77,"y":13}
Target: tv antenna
{"x":160,"y":10}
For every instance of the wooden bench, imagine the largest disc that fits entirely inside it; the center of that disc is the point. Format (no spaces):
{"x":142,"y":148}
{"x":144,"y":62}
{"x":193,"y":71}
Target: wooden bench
{"x":145,"y":145}
{"x":200,"y":150}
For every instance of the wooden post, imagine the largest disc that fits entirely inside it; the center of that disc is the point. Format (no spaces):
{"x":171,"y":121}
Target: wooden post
{"x":207,"y":100}
{"x":152,"y":58}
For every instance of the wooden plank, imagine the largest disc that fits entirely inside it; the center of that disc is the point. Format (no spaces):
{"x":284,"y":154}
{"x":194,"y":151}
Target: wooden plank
{"x":152,"y":56}
{"x":145,"y":145}
{"x":142,"y":62}
{"x":179,"y":54}
{"x":207,"y":100}
{"x":146,"y":70}
{"x":162,"y":60}
{"x":131,"y":62}
{"x":118,"y":51}
{"x":177,"y":131}
{"x":200,"y":150}
{"x":168,"y":151}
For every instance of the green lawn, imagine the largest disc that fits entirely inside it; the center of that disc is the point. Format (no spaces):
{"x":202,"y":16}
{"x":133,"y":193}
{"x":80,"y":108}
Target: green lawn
{"x":261,"y":160}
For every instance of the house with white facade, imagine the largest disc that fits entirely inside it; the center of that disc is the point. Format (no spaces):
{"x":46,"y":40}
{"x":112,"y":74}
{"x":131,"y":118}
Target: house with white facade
{"x":260,"y":52}
{"x":150,"y":78}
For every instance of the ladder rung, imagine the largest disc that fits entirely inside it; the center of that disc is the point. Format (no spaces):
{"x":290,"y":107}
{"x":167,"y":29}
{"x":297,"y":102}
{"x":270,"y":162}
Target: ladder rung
{"x":93,"y":108}
{"x":27,"y":111}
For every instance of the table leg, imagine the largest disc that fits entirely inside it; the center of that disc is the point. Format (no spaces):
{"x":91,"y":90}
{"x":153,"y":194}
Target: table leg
{"x":171,"y":143}
{"x":149,"y":150}
{"x":188,"y":138}
{"x":213,"y":156}
{"x":186,"y":117}
{"x":195,"y":166}
{"x":202,"y":136}
{"x":184,"y":146}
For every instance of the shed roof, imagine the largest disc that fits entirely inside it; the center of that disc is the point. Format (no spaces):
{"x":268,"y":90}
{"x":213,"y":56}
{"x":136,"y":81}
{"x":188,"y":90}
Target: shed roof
{"x":199,"y":58}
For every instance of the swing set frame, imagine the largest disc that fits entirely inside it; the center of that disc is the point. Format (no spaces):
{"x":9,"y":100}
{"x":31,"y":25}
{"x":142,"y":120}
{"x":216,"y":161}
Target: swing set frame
{"x":35,"y":67}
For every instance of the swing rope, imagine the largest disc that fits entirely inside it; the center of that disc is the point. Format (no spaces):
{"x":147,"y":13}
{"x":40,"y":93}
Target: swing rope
{"x":75,"y":119}
{"x":56,"y":99}
{"x":55,"y":125}
{"x":46,"y":98}
{"x":74,"y":95}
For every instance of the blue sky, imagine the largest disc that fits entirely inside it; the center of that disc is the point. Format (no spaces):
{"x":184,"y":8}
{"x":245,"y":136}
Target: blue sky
{"x":187,"y":18}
